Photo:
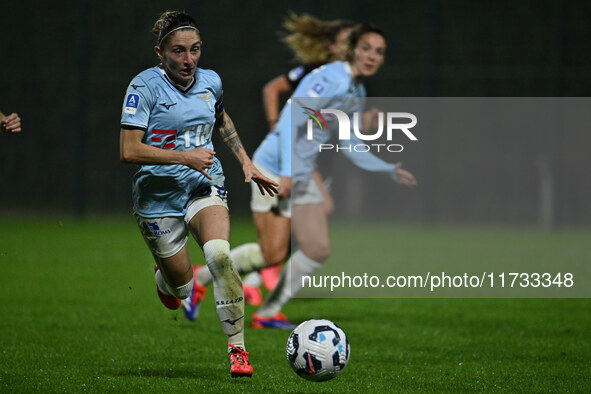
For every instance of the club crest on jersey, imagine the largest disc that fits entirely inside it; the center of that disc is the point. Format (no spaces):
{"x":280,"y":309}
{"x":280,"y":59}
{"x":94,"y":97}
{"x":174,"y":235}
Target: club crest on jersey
{"x":131,"y":103}
{"x":207,"y":97}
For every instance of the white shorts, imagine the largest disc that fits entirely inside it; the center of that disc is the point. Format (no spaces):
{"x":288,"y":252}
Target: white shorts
{"x":306,"y":192}
{"x":266,"y":203}
{"x":166,"y":236}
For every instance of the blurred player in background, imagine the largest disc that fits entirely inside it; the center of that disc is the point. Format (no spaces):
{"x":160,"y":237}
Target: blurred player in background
{"x":10,"y":123}
{"x":169,"y":115}
{"x":314,"y":43}
{"x":272,"y":215}
{"x":339,"y":83}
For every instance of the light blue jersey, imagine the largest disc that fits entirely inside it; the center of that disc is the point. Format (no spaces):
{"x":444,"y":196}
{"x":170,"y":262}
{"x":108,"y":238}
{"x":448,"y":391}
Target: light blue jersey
{"x":330,"y":86}
{"x":173,"y":118}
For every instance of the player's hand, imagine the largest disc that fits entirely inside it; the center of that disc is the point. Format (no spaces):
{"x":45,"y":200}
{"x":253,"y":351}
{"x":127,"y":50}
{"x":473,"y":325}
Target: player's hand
{"x":264,"y":183}
{"x":200,"y":159}
{"x":405,"y":177}
{"x":11,"y":124}
{"x":284,"y":187}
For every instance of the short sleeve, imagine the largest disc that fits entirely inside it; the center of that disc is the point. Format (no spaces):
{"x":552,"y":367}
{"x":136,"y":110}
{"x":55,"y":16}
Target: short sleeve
{"x":137,"y":105}
{"x":216,"y":85}
{"x":318,"y":84}
{"x":219,"y":104}
{"x":296,"y":74}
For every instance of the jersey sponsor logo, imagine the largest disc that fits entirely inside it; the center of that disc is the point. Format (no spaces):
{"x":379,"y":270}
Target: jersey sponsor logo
{"x":167,"y":106}
{"x":295,"y":73}
{"x":131,"y":103}
{"x":196,"y":135}
{"x":168,"y":136}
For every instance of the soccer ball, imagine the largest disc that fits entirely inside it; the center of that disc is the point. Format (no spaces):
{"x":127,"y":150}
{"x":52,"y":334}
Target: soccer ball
{"x":318,"y":350}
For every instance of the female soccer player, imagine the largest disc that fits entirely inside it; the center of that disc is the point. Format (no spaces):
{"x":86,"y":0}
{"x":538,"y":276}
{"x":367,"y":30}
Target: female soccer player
{"x":169,"y":114}
{"x":335,"y":81}
{"x":314,"y":42}
{"x":10,"y":123}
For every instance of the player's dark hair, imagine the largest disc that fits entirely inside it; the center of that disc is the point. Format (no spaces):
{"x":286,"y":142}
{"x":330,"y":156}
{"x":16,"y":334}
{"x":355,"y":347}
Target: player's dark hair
{"x":358,"y":32}
{"x":170,"y":21}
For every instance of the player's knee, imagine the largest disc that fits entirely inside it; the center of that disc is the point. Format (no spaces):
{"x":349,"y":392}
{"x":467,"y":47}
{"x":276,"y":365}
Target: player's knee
{"x":328,"y":206}
{"x":323,"y":254}
{"x":318,"y":252}
{"x":274,"y":256}
{"x":217,"y":255}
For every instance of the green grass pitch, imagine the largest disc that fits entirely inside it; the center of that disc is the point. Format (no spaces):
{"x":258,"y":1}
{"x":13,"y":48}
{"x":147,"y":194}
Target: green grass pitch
{"x":79,"y":313}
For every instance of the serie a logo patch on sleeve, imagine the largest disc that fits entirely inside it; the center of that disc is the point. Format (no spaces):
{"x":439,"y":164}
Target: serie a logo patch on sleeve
{"x":316,"y":90}
{"x":131,"y":103}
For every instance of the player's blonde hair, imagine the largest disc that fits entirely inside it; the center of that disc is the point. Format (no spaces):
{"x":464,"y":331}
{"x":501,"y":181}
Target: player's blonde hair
{"x":310,"y":38}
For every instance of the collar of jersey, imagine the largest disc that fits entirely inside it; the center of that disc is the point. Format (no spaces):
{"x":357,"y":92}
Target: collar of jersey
{"x":348,"y":68}
{"x":179,"y":87}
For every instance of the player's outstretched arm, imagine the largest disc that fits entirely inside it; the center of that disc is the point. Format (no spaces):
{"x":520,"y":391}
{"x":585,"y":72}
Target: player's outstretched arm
{"x":370,"y":162}
{"x":405,"y":177}
{"x":133,"y":150}
{"x":10,"y":123}
{"x":271,"y":93}
{"x":227,"y":132}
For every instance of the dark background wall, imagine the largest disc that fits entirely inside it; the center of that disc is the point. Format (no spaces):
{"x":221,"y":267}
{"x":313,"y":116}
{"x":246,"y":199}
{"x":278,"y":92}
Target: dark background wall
{"x":65,"y":67}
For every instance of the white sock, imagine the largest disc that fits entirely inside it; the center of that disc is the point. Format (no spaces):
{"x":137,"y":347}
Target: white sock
{"x":254,"y":279}
{"x":204,"y":276}
{"x":290,"y":283}
{"x":246,"y":258}
{"x":161,"y":283}
{"x":227,"y":290}
{"x":180,"y":292}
